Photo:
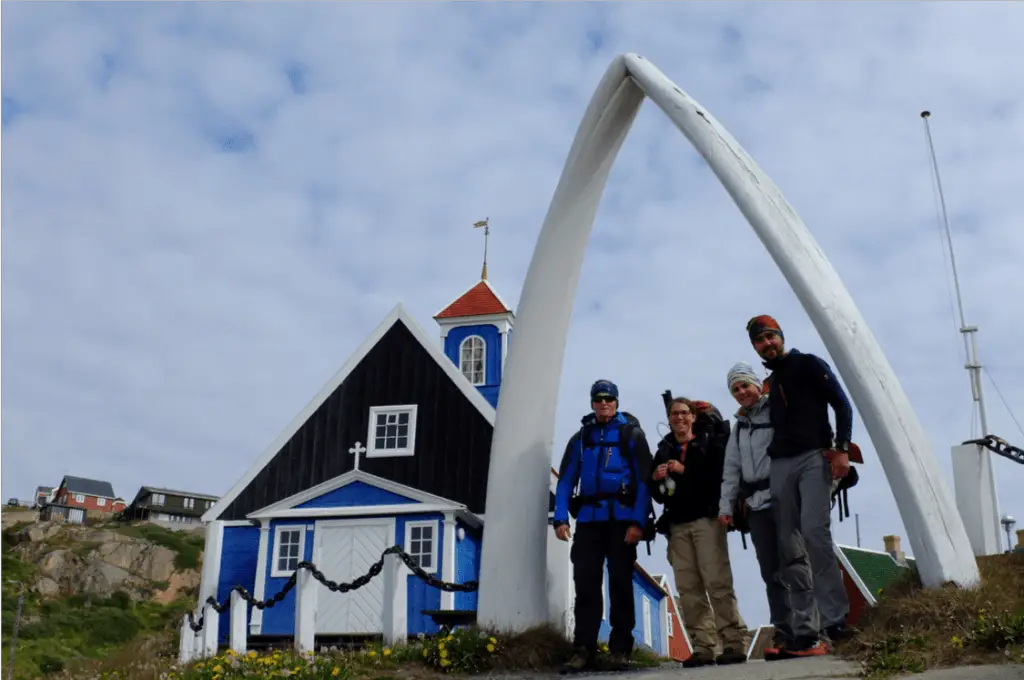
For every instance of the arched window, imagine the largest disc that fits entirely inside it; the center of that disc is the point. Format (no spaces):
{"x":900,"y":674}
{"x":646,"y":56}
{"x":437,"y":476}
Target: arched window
{"x":471,"y":359}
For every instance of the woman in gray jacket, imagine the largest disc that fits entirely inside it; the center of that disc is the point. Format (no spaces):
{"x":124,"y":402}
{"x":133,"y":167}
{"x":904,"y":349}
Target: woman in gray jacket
{"x":745,"y":476}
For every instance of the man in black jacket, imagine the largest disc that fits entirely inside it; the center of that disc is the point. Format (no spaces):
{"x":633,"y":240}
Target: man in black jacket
{"x":805,"y":458}
{"x":687,"y":479}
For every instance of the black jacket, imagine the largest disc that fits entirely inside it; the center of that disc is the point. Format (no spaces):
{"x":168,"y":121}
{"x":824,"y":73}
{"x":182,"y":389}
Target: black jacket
{"x":699,"y":487}
{"x":800,"y":390}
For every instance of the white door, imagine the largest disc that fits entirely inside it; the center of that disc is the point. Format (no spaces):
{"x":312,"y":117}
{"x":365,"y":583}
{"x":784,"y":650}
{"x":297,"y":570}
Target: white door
{"x":344,"y":551}
{"x":76,"y":516}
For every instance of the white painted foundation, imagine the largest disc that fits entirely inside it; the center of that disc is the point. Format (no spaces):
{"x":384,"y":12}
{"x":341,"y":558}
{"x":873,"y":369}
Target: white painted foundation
{"x":512,"y":593}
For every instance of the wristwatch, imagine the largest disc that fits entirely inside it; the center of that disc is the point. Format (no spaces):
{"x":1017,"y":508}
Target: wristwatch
{"x":843,"y":446}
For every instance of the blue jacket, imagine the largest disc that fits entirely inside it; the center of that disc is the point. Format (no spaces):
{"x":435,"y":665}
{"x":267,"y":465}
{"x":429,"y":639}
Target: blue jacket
{"x":596,"y":462}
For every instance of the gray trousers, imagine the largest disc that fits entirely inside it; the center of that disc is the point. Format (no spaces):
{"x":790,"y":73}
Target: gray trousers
{"x":765,"y":538}
{"x":802,"y":506}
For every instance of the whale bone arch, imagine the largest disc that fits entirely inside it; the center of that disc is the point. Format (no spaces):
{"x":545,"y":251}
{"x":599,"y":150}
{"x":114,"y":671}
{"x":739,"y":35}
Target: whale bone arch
{"x":513,"y":591}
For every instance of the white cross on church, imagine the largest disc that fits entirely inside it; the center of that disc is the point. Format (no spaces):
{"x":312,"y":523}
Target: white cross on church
{"x":357,"y":451}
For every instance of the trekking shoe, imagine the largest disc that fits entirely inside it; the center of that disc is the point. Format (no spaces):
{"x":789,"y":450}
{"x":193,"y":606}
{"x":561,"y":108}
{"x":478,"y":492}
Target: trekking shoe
{"x":579,"y":661}
{"x":700,"y":658}
{"x":618,"y":662}
{"x":774,"y":652}
{"x":840,"y":632}
{"x":799,"y":649}
{"x":731,"y":655}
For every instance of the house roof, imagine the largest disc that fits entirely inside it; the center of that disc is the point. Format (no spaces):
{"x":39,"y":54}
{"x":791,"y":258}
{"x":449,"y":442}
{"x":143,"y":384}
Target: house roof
{"x":397,"y":315}
{"x":479,"y":300}
{"x":875,"y":569}
{"x":89,"y":487}
{"x":172,"y":492}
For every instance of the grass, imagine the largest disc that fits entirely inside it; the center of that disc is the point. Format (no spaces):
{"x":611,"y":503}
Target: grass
{"x":913,"y":629}
{"x":464,"y":651}
{"x":188,"y":546}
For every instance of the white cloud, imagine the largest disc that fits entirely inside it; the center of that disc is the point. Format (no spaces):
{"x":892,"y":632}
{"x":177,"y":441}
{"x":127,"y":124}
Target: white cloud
{"x":168,"y":307}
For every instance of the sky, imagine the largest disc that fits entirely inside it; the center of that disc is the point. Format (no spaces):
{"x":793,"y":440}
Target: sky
{"x":207,"y":207}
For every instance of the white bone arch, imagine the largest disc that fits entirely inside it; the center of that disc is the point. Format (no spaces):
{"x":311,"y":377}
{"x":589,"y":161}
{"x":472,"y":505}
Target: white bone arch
{"x":512,"y":589}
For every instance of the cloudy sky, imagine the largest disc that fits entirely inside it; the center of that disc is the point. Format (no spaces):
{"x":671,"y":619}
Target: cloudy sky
{"x":207,"y":207}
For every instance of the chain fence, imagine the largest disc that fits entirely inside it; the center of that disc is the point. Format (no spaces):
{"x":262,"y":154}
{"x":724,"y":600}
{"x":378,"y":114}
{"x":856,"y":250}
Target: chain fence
{"x":375,"y":569}
{"x":1001,"y":447}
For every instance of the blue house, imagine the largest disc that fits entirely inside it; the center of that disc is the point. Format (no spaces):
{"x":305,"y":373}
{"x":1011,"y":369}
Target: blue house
{"x":394,"y":449}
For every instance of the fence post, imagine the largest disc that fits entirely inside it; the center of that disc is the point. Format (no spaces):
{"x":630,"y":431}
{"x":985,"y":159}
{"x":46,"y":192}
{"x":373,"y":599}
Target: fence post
{"x":187,"y":642}
{"x":395,"y":619}
{"x":238,"y":628}
{"x":211,"y":629}
{"x":305,"y":611}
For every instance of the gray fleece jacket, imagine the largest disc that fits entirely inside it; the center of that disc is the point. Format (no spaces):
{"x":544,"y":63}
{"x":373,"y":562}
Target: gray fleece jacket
{"x":746,"y":457}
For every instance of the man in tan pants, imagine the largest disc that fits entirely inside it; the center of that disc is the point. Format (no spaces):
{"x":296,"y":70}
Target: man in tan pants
{"x":687,"y":480}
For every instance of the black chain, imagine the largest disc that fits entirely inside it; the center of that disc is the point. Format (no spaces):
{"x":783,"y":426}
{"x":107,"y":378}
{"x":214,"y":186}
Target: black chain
{"x":1000,"y":447}
{"x":375,"y":569}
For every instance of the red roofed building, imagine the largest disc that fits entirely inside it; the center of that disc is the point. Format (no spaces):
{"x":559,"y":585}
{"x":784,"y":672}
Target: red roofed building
{"x":475,"y":331}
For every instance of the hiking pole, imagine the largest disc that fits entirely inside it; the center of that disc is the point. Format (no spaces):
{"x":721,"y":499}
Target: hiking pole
{"x":17,"y":621}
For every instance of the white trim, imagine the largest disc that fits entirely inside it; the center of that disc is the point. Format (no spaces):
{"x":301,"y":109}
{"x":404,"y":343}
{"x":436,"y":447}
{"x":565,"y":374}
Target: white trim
{"x":239,"y":523}
{"x":357,"y":511}
{"x":854,"y":576}
{"x":502,"y":322}
{"x":648,"y":629}
{"x":470,"y":519}
{"x":666,"y":622}
{"x":483,"y":359}
{"x":435,"y":535}
{"x":260,"y":585}
{"x":209,"y":580}
{"x":275,"y":572}
{"x":448,"y":563}
{"x":371,"y":449}
{"x":604,"y":593}
{"x":508,"y":310}
{"x":397,"y":314}
{"x":352,"y":476}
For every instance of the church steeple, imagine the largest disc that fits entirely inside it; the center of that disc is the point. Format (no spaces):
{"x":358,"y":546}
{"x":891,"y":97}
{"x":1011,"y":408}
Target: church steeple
{"x":475,"y":330}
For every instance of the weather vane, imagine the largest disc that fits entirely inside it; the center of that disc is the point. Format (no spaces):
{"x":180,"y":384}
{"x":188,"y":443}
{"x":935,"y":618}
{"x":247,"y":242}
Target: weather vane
{"x":487,"y":232}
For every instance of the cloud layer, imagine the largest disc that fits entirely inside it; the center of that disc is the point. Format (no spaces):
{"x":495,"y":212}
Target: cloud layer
{"x":206,"y":208}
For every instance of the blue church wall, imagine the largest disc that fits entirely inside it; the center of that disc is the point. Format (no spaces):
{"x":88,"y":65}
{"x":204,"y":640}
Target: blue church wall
{"x":280,"y":619}
{"x":467,"y":565}
{"x":492,"y":351}
{"x":642,"y":589}
{"x":239,"y":552}
{"x":420,"y":595}
{"x":356,"y":494}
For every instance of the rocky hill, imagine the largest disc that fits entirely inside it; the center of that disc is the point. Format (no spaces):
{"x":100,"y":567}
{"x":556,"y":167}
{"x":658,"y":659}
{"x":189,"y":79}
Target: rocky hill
{"x":91,"y":590}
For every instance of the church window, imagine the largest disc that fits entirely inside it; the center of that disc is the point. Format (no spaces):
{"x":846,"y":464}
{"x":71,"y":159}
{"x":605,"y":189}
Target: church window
{"x":392,"y":431}
{"x":472,"y":359}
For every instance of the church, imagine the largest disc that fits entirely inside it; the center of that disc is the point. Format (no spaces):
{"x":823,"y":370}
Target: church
{"x":393,"y":450}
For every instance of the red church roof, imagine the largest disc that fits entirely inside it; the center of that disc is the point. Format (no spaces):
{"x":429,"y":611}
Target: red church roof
{"x":479,"y":300}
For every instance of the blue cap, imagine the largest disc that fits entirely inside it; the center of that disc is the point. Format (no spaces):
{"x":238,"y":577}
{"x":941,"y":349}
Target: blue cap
{"x":604,"y":387}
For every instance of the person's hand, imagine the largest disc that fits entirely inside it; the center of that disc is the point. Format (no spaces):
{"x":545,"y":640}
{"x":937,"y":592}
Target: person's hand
{"x":562,"y":532}
{"x":725,"y":520}
{"x":840,"y":462}
{"x":661,"y":472}
{"x":634,"y":534}
{"x":676,"y":467}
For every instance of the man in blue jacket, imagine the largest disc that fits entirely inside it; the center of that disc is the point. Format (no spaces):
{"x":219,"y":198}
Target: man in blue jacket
{"x":602,"y":482}
{"x":805,"y":457}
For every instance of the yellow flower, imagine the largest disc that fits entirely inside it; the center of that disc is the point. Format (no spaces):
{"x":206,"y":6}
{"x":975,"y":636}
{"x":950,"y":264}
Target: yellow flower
{"x":230,"y":652}
{"x":335,"y":671}
{"x":425,"y":652}
{"x":492,"y":641}
{"x":373,"y":653}
{"x":445,"y":663}
{"x":251,"y":655}
{"x":386,"y":652}
{"x":444,"y":653}
{"x":218,"y":669}
{"x":452,"y":637}
{"x":490,"y":648}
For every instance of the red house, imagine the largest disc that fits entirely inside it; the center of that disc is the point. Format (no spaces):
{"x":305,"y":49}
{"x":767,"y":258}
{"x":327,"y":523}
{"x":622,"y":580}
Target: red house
{"x":867,"y":573}
{"x":678,"y":639}
{"x":88,"y":494}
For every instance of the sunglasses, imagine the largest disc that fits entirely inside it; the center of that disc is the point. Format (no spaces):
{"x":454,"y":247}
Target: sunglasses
{"x":680,"y":414}
{"x":604,"y":399}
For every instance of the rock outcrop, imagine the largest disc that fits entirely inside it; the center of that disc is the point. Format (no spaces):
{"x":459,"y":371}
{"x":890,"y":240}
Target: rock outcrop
{"x":77,"y":559}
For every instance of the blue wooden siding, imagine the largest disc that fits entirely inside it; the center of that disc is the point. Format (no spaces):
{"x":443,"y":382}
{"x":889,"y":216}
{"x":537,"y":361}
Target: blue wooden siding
{"x":280,"y":619}
{"x":356,"y":494}
{"x":239,"y":552}
{"x":642,"y":589}
{"x":421,"y":596}
{"x":467,"y":565}
{"x":492,"y":351}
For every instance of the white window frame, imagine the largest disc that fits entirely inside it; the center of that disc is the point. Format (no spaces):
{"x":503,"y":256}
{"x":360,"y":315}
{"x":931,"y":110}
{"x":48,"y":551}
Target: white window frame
{"x":669,"y":623}
{"x":190,"y":503}
{"x":157,"y":499}
{"x":101,"y":502}
{"x":276,"y":548}
{"x":372,"y":451}
{"x":483,"y":360}
{"x":79,"y":497}
{"x":433,"y":525}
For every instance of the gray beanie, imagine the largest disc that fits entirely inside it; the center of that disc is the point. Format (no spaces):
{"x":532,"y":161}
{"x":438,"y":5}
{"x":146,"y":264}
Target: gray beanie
{"x":742,"y":372}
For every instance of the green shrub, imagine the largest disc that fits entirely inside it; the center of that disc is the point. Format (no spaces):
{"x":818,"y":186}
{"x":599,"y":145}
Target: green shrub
{"x":49,"y":664}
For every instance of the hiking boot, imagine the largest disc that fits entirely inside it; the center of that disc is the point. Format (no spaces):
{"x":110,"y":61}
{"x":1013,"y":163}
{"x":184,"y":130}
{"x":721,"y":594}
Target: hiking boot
{"x":579,"y":661}
{"x":618,"y":662}
{"x":731,"y":655}
{"x":801,"y":648}
{"x":700,"y":657}
{"x":773,"y":653}
{"x":840,"y":632}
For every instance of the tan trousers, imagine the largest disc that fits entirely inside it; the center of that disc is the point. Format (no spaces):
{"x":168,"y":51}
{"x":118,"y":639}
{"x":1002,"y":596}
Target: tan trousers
{"x":699,"y":554}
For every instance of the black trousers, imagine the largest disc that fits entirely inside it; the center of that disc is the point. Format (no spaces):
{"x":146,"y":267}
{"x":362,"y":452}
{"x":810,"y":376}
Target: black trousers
{"x":593,"y":543}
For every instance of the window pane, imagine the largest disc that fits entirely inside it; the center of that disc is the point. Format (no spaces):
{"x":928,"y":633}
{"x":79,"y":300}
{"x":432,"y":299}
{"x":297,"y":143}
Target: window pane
{"x":379,"y":443}
{"x":425,"y":561}
{"x":402,"y":443}
{"x":380,"y":431}
{"x":392,"y":431}
{"x":415,"y":533}
{"x":282,"y":564}
{"x":403,"y":418}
